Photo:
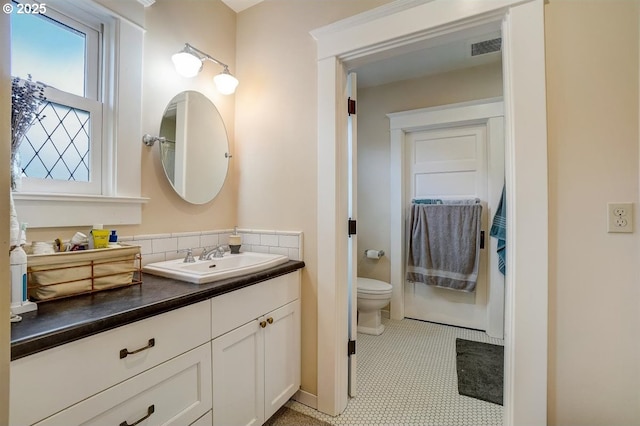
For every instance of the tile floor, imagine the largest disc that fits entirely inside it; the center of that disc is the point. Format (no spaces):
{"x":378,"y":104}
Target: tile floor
{"x":407,"y":377}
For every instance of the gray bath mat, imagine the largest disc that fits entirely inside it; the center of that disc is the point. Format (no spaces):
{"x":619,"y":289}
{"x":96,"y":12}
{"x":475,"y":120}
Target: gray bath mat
{"x":287,"y":417}
{"x":480,"y":368}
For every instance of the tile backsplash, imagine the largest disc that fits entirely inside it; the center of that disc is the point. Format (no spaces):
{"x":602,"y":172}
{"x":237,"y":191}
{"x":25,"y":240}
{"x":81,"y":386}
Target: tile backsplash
{"x":160,"y":247}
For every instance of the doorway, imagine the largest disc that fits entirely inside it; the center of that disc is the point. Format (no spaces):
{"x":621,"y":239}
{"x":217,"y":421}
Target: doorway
{"x":404,"y":25}
{"x":464,"y":149}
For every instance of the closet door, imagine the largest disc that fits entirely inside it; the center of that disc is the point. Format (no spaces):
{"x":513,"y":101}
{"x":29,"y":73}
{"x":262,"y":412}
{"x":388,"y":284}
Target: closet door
{"x":449,"y":163}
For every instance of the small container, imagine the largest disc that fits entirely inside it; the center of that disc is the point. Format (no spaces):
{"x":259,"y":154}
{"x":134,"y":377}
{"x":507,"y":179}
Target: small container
{"x":79,"y":241}
{"x":235,"y":241}
{"x":18,"y":261}
{"x":79,"y":238}
{"x":100,"y":238}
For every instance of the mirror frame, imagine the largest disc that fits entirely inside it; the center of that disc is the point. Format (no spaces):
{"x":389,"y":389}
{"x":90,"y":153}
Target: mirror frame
{"x":194,"y":147}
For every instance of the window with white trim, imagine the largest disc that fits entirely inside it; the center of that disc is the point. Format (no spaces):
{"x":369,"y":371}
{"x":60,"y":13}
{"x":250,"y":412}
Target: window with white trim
{"x":107,"y":104}
{"x":62,"y":151}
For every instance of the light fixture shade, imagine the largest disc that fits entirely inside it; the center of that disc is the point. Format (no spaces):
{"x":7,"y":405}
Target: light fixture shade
{"x":187,"y":64}
{"x":225,"y":82}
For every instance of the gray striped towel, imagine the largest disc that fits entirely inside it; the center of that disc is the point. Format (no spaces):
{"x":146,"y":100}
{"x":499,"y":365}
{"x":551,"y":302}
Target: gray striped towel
{"x":444,"y":245}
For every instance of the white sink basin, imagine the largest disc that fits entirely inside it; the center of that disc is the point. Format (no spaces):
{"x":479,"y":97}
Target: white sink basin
{"x":206,"y":271}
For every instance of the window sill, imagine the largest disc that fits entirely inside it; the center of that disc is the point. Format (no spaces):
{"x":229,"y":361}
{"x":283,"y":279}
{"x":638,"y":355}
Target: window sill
{"x":57,"y":210}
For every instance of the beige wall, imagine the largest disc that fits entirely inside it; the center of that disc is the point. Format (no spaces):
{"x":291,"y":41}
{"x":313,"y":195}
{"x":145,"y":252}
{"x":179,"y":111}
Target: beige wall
{"x":373,"y":145}
{"x":210,"y":26}
{"x":5,"y":288}
{"x":276,"y":132}
{"x":594,"y":290}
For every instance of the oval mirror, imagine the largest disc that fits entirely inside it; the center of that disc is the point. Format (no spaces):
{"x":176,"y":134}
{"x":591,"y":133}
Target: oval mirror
{"x":194,"y":153}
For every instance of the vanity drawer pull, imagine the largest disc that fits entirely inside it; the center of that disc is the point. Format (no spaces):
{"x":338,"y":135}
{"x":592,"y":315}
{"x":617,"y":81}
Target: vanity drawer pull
{"x":124,"y":352}
{"x":150,"y":411}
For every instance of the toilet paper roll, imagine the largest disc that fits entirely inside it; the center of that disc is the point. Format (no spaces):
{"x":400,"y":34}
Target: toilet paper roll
{"x":374,"y":254}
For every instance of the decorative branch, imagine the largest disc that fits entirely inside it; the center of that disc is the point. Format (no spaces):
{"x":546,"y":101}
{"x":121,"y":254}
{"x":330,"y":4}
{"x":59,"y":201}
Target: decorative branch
{"x":26,"y":98}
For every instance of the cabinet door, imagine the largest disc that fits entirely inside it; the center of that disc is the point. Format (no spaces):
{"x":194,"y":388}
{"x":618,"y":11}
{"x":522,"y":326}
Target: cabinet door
{"x":206,"y":420}
{"x":281,"y":356}
{"x":238,"y":371}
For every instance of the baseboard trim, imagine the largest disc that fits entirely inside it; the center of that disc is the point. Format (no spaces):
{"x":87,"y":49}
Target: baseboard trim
{"x":306,"y":398}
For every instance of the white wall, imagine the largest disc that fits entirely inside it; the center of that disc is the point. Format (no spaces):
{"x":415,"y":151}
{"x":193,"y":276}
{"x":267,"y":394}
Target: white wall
{"x":373,"y":145}
{"x":594,"y":288}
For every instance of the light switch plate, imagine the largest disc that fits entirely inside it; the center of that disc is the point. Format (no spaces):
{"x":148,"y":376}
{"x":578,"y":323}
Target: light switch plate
{"x":620,"y":217}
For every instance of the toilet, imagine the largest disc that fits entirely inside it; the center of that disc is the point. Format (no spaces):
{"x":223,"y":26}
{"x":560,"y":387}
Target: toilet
{"x":373,"y":295}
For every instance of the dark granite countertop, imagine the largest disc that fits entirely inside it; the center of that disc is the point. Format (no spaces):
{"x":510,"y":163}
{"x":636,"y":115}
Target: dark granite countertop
{"x":62,"y":321}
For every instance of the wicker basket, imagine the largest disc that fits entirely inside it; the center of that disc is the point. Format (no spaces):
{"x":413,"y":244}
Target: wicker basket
{"x":52,"y":276}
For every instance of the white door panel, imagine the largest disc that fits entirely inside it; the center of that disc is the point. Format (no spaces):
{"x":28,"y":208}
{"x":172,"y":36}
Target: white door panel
{"x":449,"y":163}
{"x":438,"y":147}
{"x":449,"y":184}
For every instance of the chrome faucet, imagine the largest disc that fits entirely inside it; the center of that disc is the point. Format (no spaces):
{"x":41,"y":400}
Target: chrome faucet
{"x":189,"y":257}
{"x":215,"y":252}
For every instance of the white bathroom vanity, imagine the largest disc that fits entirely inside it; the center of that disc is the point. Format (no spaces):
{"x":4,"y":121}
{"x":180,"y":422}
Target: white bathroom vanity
{"x":213,"y":354}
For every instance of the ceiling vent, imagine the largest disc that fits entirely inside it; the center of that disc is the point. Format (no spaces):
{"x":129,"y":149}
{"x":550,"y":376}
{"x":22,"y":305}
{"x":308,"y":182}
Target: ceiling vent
{"x":486,"y":46}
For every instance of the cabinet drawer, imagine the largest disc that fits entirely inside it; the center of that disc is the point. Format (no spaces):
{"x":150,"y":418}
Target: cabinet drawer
{"x":47,"y":382}
{"x":177,"y":392}
{"x":233,"y":309}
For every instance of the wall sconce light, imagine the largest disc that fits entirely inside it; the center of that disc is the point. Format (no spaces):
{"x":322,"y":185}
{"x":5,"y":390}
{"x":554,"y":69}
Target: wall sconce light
{"x":188,"y":63}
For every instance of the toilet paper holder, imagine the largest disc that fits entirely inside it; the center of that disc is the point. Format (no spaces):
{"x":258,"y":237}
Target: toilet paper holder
{"x":373,"y":254}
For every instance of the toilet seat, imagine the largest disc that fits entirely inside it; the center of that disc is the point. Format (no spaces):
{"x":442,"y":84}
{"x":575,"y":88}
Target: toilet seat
{"x":373,"y":287}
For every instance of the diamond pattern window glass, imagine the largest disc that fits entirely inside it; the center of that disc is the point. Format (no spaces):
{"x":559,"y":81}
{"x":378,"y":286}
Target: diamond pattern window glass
{"x":57,"y":147}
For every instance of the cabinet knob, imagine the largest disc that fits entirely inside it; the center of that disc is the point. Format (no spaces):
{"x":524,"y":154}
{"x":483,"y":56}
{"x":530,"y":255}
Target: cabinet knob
{"x":270,"y":320}
{"x":263,"y":324}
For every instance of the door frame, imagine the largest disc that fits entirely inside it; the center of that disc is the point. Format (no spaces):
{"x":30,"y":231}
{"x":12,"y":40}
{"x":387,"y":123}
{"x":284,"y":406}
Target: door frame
{"x":352,"y":169}
{"x":401,"y":26}
{"x":487,"y":112}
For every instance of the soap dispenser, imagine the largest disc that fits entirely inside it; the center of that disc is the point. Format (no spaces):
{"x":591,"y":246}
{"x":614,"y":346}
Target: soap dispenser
{"x":235,"y":241}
